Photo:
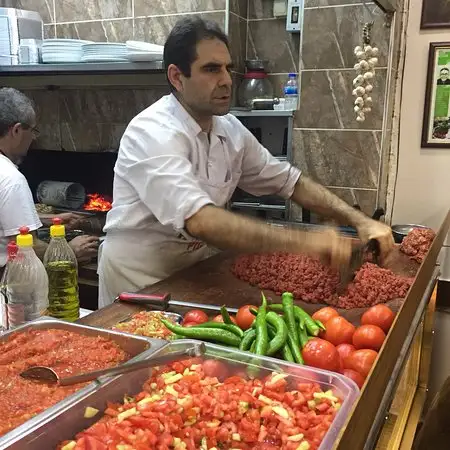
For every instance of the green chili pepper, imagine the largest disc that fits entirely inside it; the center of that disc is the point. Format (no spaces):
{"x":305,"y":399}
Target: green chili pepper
{"x":278,"y":307}
{"x":247,"y":340}
{"x":287,"y":354}
{"x":310,"y":323}
{"x":288,"y":307}
{"x":320,"y":325}
{"x":253,"y":347}
{"x":280,"y":334}
{"x":225,"y":315}
{"x":303,"y":337}
{"x":262,"y":338}
{"x":224,"y":326}
{"x":206,"y":334}
{"x":295,"y":349}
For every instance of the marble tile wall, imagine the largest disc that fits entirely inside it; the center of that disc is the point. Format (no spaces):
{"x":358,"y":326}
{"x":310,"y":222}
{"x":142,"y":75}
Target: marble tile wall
{"x":329,"y":144}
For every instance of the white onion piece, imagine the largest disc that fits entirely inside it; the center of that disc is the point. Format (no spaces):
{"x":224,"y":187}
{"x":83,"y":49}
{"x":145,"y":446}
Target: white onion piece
{"x":358,"y":66}
{"x":359,"y":101}
{"x":361,"y":55}
{"x":368,"y":76}
{"x":360,"y":91}
{"x":358,"y":49}
{"x":369,"y":88}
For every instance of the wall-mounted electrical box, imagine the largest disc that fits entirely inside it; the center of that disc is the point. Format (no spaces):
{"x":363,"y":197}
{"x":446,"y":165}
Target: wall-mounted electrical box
{"x":294,"y":16}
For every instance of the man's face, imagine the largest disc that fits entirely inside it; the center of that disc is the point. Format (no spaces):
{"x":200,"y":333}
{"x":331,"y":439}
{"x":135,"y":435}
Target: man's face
{"x":21,"y":137}
{"x":444,"y":75}
{"x":208,"y":90}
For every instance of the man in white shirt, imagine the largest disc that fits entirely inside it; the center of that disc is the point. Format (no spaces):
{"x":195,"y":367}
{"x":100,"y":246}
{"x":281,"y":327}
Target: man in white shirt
{"x":180,"y":161}
{"x":17,"y":131}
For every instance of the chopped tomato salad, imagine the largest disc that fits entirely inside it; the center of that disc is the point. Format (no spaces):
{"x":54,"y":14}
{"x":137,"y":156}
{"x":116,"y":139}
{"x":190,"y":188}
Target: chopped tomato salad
{"x":146,"y":323}
{"x":182,"y":408}
{"x":68,"y":353}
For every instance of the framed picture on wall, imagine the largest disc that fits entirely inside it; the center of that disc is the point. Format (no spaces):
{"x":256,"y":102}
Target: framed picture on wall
{"x":435,"y":14}
{"x":436,"y":118}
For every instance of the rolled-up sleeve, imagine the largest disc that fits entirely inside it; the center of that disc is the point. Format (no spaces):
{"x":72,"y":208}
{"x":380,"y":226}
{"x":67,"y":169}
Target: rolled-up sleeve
{"x":263,"y":174}
{"x":156,"y":164}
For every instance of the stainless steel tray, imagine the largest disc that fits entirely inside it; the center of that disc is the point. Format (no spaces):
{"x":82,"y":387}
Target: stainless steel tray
{"x":70,"y":421}
{"x":138,"y":347}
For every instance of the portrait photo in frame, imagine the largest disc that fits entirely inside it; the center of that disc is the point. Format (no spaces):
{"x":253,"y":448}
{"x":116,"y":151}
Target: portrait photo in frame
{"x":435,"y":14}
{"x":436,"y":118}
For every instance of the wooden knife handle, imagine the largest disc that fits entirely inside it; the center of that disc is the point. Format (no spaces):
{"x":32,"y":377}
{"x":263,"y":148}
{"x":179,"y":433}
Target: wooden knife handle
{"x":159,"y":300}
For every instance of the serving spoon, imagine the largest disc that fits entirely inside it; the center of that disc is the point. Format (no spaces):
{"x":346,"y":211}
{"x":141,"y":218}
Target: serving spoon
{"x":44,"y":373}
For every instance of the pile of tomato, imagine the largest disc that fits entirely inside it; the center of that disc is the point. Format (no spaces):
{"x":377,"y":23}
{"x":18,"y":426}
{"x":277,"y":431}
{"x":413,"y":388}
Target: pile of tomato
{"x":196,"y":404}
{"x":346,"y":349}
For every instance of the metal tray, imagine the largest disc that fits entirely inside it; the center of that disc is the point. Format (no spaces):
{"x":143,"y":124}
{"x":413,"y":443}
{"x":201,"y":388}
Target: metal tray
{"x":138,"y":347}
{"x":67,"y":423}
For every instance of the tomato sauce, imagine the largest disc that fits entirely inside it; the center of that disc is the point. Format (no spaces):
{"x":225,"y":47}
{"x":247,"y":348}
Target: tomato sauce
{"x":66,"y":352}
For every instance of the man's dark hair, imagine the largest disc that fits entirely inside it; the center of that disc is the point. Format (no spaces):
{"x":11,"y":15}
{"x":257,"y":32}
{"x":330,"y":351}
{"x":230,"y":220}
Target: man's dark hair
{"x":180,"y":48}
{"x":15,"y":107}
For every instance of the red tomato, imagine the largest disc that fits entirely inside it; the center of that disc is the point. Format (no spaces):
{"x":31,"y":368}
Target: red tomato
{"x":219,"y":318}
{"x":345,"y":350}
{"x":355,"y":376}
{"x":339,"y":331}
{"x":195,"y":315}
{"x":244,"y":317}
{"x":325,"y":314}
{"x":320,"y":353}
{"x":379,"y":315}
{"x":214,"y":368}
{"x":361,"y":361}
{"x":368,"y":336}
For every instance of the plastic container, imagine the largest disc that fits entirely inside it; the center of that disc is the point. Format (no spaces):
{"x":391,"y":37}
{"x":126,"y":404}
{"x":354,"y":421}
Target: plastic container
{"x":66,"y":424}
{"x":62,"y":194}
{"x":12,"y":253}
{"x":26,"y":283}
{"x":291,"y":93}
{"x":61,"y":265}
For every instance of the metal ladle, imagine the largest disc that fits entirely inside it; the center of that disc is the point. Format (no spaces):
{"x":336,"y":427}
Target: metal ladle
{"x":43,"y":373}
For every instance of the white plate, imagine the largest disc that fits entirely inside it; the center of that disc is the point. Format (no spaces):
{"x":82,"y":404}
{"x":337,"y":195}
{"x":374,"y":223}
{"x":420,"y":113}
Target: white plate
{"x":144,"y":46}
{"x":102,"y":59}
{"x":142,"y":57}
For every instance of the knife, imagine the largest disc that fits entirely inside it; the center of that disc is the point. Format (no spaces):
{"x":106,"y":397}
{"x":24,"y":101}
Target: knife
{"x":163,"y":302}
{"x":357,"y":259}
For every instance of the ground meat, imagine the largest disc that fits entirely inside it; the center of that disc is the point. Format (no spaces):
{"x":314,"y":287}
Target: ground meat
{"x":417,"y":243}
{"x":312,"y":282}
{"x":305,"y":277}
{"x":372,"y":285}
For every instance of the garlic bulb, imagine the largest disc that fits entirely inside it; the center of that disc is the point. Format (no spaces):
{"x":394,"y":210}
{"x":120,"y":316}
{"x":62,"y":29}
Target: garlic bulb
{"x":364,"y":65}
{"x":367,"y":60}
{"x":358,"y":80}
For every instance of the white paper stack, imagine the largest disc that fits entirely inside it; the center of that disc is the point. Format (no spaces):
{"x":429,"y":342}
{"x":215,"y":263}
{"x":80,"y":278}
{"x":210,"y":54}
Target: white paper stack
{"x":6,"y":58}
{"x":58,"y":51}
{"x":144,"y":51}
{"x":104,"y":52}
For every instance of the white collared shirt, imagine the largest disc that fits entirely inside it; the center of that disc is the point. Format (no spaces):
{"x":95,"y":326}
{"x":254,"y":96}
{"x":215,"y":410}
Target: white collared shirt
{"x":16,"y":205}
{"x":168,"y":169}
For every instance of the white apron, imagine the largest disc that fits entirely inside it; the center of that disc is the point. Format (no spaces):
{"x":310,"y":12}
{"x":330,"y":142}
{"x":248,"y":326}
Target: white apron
{"x":130,"y":261}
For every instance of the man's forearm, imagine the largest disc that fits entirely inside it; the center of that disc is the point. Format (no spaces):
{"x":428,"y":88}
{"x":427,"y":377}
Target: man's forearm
{"x":226,"y":230}
{"x":47,"y":219}
{"x":315,"y":197}
{"x":39,"y":246}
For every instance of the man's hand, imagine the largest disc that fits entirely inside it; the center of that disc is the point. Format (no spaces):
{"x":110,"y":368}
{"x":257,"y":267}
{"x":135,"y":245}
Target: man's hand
{"x":71,"y":220}
{"x":331,"y":247}
{"x":371,"y":229}
{"x":85,"y":248}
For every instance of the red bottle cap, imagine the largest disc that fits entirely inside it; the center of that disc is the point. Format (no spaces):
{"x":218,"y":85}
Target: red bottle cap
{"x":57,"y":221}
{"x":12,"y":249}
{"x":24,"y":230}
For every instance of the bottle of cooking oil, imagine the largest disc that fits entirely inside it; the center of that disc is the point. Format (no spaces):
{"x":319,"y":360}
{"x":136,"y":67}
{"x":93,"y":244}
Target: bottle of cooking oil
{"x":62,"y":269}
